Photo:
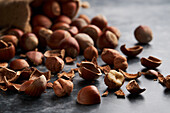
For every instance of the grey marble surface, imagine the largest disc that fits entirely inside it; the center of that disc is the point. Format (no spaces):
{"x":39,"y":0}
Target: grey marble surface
{"x":126,"y":15}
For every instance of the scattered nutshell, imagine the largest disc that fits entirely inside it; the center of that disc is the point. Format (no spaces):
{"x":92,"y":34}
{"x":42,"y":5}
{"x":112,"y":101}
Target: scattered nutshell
{"x":161,"y":78}
{"x":3,"y":87}
{"x":89,"y":71}
{"x":106,"y":69}
{"x":54,"y":64}
{"x":79,"y":23}
{"x":18,"y":64}
{"x":49,"y":85}
{"x":10,"y":38}
{"x":85,"y":17}
{"x":150,"y":62}
{"x":62,"y":87}
{"x":63,"y":18}
{"x":69,"y":60}
{"x":130,"y":76}
{"x":120,"y":93}
{"x":134,"y":88}
{"x":151,"y":72}
{"x":66,"y":75}
{"x":3,"y":64}
{"x":89,"y":95}
{"x":114,"y":79}
{"x":120,"y":62}
{"x":131,"y":52}
{"x":113,"y":30}
{"x":167,"y":81}
{"x":90,"y":52}
{"x":105,"y":94}
{"x":53,"y":53}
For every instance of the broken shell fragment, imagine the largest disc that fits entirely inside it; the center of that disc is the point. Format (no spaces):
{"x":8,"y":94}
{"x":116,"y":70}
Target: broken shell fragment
{"x":150,"y":62}
{"x":53,"y":53}
{"x":69,"y":60}
{"x":151,"y":73}
{"x":161,"y":78}
{"x":120,"y":93}
{"x":133,"y":87}
{"x":131,"y":52}
{"x":11,"y":86}
{"x":130,"y":76}
{"x":105,"y":69}
{"x":66,"y":75}
{"x":105,"y":93}
{"x":49,"y":85}
{"x":3,"y":64}
{"x":167,"y":81}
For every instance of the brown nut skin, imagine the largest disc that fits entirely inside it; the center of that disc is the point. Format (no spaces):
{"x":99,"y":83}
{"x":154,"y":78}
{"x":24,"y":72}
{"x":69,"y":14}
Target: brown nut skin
{"x":41,"y":20}
{"x":19,"y":64}
{"x":93,"y":31}
{"x":150,"y":62}
{"x":143,"y":34}
{"x":54,"y":40}
{"x":113,"y":30}
{"x":107,"y":40}
{"x":10,"y":38}
{"x":16,"y":32}
{"x":54,"y":64}
{"x":62,"y":87}
{"x":28,"y":42}
{"x":89,"y":95}
{"x":108,"y":55}
{"x":84,"y":41}
{"x":60,"y":25}
{"x":71,"y":46}
{"x":90,"y":52}
{"x":99,"y":21}
{"x":120,"y":62}
{"x":63,"y":18}
{"x":51,"y":8}
{"x":167,"y":81}
{"x":85,"y":17}
{"x":8,"y":52}
{"x":73,"y":31}
{"x":79,"y":23}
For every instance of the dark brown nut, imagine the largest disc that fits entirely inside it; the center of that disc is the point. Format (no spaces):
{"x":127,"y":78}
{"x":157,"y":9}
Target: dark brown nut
{"x":7,"y":51}
{"x":41,"y":20}
{"x":143,"y":34}
{"x":107,"y":40}
{"x":120,"y":62}
{"x":134,"y":88}
{"x":73,"y":30}
{"x":62,"y":87}
{"x":63,"y":18}
{"x":35,"y":57}
{"x":85,"y":17}
{"x":28,"y":42}
{"x":150,"y":62}
{"x":51,"y":8}
{"x":167,"y":81}
{"x":114,"y":79}
{"x":54,"y":40}
{"x":89,"y":95}
{"x":89,"y":71}
{"x":79,"y":23}
{"x":93,"y":31}
{"x":53,"y":53}
{"x":10,"y":38}
{"x":3,"y":64}
{"x":54,"y":64}
{"x":131,"y":52}
{"x":60,"y":25}
{"x":130,"y":76}
{"x":150,"y":73}
{"x":108,"y":55}
{"x":16,"y":32}
{"x":71,"y":46}
{"x":84,"y":41}
{"x":90,"y":52}
{"x":100,"y":21}
{"x":19,"y":64}
{"x":113,"y":30}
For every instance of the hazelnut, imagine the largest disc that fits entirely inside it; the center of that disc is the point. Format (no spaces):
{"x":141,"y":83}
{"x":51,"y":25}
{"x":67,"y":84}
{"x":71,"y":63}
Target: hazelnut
{"x":114,"y":79}
{"x":51,"y":8}
{"x":100,"y":21}
{"x":107,"y":40}
{"x":113,"y":30}
{"x":167,"y":81}
{"x":85,"y":17}
{"x":89,"y":95}
{"x":60,"y":25}
{"x":120,"y":62}
{"x":41,"y":20}
{"x":10,"y":38}
{"x":108,"y":55}
{"x":90,"y":52}
{"x":28,"y":42}
{"x":63,"y":18}
{"x":93,"y":31}
{"x":84,"y":40}
{"x":73,"y":30}
{"x":19,"y":64}
{"x":79,"y":23}
{"x":54,"y":64}
{"x":16,"y":32}
{"x":71,"y":46}
{"x":143,"y":34}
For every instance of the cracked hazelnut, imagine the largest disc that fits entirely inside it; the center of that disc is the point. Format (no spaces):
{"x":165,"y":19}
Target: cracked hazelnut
{"x":90,"y":52}
{"x":53,"y":53}
{"x":120,"y":62}
{"x":113,"y":30}
{"x":99,"y":21}
{"x":150,"y":62}
{"x":19,"y":64}
{"x":10,"y":38}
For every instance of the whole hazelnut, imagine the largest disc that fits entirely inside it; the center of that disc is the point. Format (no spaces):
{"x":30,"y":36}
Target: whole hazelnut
{"x":143,"y":34}
{"x":63,"y":18}
{"x":120,"y":62}
{"x":93,"y":31}
{"x":10,"y":38}
{"x":18,"y":64}
{"x":79,"y":23}
{"x":73,"y":30}
{"x":90,"y":52}
{"x":60,"y":25}
{"x":89,"y":95}
{"x":107,"y":40}
{"x":113,"y":30}
{"x":85,"y":17}
{"x":54,"y":64}
{"x":51,"y":8}
{"x":99,"y":21}
{"x":41,"y":20}
{"x":84,"y":40}
{"x":28,"y":42}
{"x":108,"y":55}
{"x":16,"y":32}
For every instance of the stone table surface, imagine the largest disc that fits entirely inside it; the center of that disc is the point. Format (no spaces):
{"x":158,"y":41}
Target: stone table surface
{"x":125,"y":15}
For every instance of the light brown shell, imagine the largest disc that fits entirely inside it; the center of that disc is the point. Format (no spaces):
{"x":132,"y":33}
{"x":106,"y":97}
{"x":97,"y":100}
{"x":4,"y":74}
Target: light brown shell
{"x":53,"y":53}
{"x":150,"y":62}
